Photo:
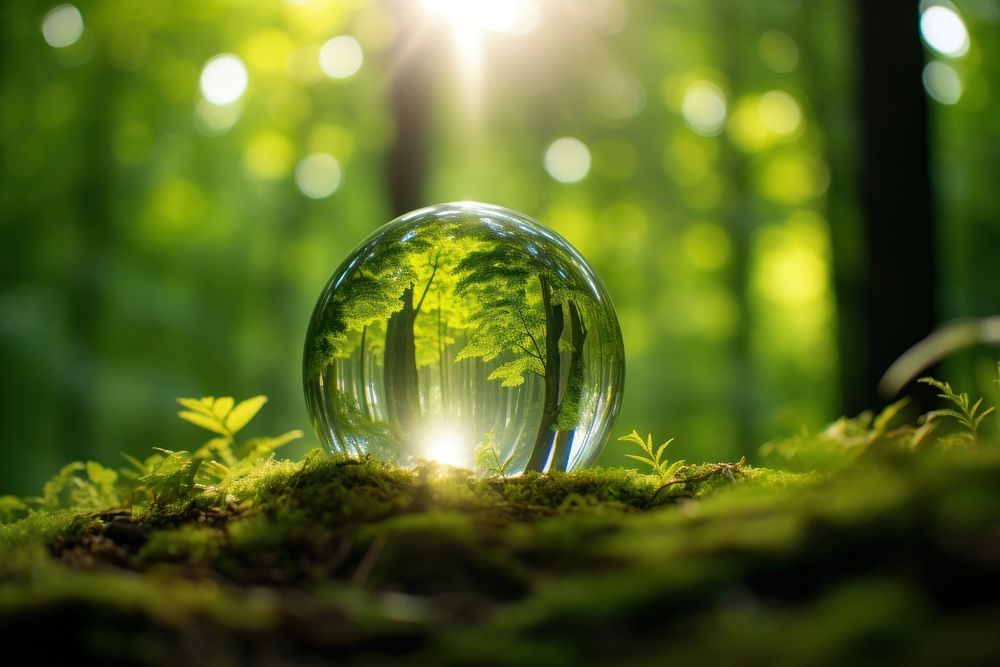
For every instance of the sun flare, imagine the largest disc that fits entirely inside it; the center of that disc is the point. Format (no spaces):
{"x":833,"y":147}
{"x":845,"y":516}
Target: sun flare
{"x":444,"y":444}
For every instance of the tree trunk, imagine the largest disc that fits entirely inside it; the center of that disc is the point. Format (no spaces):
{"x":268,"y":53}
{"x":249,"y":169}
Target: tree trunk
{"x":405,"y":171}
{"x":553,"y":331}
{"x":402,"y":388}
{"x":363,"y":361}
{"x":899,"y":272}
{"x":573,"y":391}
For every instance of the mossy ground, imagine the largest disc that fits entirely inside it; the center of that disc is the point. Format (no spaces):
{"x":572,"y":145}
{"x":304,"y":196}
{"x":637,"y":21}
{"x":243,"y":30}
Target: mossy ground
{"x":357,"y":562}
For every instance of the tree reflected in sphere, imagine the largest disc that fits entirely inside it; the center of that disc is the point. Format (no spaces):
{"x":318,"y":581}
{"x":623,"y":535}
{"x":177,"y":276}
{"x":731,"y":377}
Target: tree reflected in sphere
{"x":467,"y":334}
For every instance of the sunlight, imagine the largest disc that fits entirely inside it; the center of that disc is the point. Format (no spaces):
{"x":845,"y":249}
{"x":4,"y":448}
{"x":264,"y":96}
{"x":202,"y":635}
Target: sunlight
{"x":493,"y":15}
{"x":318,"y":175}
{"x":468,"y":19}
{"x":213,"y":120}
{"x":942,"y":82}
{"x":567,"y":160}
{"x":224,"y":79}
{"x":62,"y":26}
{"x":443,"y":444}
{"x":704,"y":108}
{"x":779,"y":112}
{"x":341,"y":57}
{"x":944,"y":31}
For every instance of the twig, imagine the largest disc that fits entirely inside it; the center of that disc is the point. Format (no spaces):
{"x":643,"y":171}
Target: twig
{"x":367,"y":563}
{"x":727,"y":469}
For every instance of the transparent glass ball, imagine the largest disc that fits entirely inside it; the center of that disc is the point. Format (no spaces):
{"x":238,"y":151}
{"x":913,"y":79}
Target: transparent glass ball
{"x":466,"y":334}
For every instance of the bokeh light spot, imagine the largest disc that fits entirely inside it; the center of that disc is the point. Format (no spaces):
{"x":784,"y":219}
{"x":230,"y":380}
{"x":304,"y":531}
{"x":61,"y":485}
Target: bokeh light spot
{"x":268,"y":155}
{"x":318,"y":175}
{"x":224,"y":79}
{"x":704,"y":108}
{"x":215,"y":119}
{"x":944,"y":31}
{"x":62,"y":26}
{"x":567,"y":160}
{"x":746,"y":130}
{"x":793,"y":179}
{"x":779,"y":112}
{"x":778,"y":52}
{"x":341,"y":57}
{"x":303,"y":65}
{"x":332,"y":139}
{"x":792,"y":266}
{"x":617,"y":95}
{"x":267,"y":50}
{"x":706,"y":245}
{"x":942,"y":82}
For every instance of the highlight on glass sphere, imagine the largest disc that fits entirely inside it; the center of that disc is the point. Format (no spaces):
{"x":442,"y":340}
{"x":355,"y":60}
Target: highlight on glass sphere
{"x":466,"y":334}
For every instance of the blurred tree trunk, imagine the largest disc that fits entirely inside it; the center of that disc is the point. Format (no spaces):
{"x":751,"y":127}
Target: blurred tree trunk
{"x":409,"y":102}
{"x":405,"y":177}
{"x":741,"y":219}
{"x":87,"y":294}
{"x":897,"y":289}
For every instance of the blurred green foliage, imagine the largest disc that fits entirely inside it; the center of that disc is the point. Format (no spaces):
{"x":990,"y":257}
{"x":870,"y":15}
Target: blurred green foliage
{"x":156,"y":244}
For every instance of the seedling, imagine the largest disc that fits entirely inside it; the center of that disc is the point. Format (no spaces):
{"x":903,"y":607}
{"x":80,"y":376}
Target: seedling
{"x":655,"y":460}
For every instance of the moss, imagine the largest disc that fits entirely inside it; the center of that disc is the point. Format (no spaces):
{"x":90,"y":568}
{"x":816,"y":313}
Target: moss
{"x":360,"y":562}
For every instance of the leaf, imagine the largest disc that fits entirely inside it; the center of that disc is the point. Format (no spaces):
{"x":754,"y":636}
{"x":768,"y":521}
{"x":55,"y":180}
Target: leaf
{"x":136,"y":463}
{"x":218,"y":448}
{"x":12,"y":508}
{"x":659,"y":452}
{"x":979,"y":419}
{"x":103,"y":478}
{"x":888,"y":413}
{"x":511,"y":374}
{"x":53,"y":488}
{"x":244,"y":412}
{"x":670,"y":472}
{"x":937,"y":384}
{"x":196,"y":405}
{"x":641,"y":459}
{"x":222,"y":407}
{"x":259,"y":447}
{"x":207,"y":423}
{"x":632,"y":437}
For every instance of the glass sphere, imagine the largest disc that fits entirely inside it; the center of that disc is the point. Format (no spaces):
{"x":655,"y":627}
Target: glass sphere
{"x":467,"y":334}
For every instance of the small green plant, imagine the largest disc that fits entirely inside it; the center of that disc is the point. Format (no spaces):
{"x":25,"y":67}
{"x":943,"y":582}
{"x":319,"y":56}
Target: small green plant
{"x":966,"y":412}
{"x":224,"y":417}
{"x":87,"y":486}
{"x":488,"y":460}
{"x":166,"y":476}
{"x":655,"y":460}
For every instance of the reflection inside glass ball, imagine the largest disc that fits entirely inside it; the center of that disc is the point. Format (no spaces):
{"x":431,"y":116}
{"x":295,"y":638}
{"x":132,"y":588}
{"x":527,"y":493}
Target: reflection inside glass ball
{"x":466,"y":334}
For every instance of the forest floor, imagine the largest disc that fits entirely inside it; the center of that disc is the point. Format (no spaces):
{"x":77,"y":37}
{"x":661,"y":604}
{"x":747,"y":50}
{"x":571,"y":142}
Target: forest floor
{"x":885,"y":556}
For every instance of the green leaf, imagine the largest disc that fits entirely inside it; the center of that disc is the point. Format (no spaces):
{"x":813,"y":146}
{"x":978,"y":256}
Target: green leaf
{"x":260,"y":447}
{"x":207,"y":423}
{"x":196,"y":405}
{"x":979,"y":419}
{"x":659,"y":452}
{"x":244,"y":412}
{"x":12,"y":508}
{"x":670,"y":472}
{"x":888,"y":413}
{"x":641,"y":459}
{"x":218,"y":448}
{"x":222,"y":407}
{"x":136,"y":463}
{"x":632,"y":437}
